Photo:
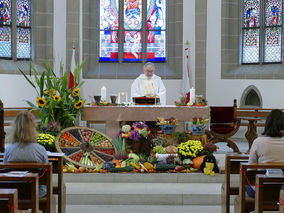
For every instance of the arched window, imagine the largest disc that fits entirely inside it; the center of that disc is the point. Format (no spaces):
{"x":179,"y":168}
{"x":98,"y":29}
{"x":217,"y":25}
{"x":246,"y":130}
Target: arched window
{"x":261,"y":28}
{"x":15,"y":29}
{"x":133,"y":30}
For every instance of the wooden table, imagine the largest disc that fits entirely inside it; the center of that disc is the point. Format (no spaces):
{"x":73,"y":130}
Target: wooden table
{"x":33,"y":178}
{"x":113,"y":116}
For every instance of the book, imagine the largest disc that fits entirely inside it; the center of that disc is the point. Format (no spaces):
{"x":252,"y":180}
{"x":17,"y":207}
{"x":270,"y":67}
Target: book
{"x":15,"y":174}
{"x":274,"y":172}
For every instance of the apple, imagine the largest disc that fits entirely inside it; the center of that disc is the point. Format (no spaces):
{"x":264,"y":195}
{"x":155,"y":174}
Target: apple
{"x":178,"y":168}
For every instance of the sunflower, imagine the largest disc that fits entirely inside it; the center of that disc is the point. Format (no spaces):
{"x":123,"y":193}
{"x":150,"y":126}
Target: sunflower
{"x":76,"y":92}
{"x":48,"y":91}
{"x":41,"y":102}
{"x":56,"y":98}
{"x":79,"y":104}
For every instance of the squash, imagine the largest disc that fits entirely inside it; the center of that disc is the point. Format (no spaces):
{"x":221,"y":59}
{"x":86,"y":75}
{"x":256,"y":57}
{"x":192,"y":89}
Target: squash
{"x":124,"y":169}
{"x":198,"y":161}
{"x":134,"y":165}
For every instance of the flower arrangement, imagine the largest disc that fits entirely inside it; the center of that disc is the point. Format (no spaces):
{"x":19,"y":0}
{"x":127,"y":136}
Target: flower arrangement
{"x":198,"y":121}
{"x":55,"y":102}
{"x":190,"y":149}
{"x":209,"y":148}
{"x":46,"y":140}
{"x":167,"y":121}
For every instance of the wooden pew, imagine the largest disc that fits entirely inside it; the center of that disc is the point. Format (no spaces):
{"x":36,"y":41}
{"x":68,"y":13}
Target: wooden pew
{"x":46,"y":179}
{"x":9,"y":198}
{"x":281,"y":201}
{"x":30,"y":179}
{"x":232,"y":166}
{"x":60,"y":188}
{"x":2,"y":133}
{"x":248,"y":172}
{"x":269,"y":186}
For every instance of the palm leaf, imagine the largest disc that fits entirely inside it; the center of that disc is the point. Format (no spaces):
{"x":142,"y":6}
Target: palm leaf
{"x":41,"y":83}
{"x":31,"y":83}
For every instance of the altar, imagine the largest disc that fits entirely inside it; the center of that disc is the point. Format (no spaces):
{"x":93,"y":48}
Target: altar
{"x":113,"y":116}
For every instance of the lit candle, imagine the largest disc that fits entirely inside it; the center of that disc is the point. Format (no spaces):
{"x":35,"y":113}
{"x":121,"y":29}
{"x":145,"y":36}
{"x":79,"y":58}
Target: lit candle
{"x":103,"y":93}
{"x":192,"y":95}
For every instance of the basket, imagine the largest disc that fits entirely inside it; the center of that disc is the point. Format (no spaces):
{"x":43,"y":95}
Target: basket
{"x":168,"y":129}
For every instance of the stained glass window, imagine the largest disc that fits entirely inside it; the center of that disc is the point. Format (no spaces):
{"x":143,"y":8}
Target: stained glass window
{"x":261,"y":32}
{"x":109,"y":10}
{"x":23,"y":29}
{"x":133,"y":32}
{"x":5,"y":29}
{"x":156,"y":30}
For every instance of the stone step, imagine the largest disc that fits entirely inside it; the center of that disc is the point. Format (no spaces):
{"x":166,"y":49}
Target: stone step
{"x":143,"y":193}
{"x":142,"y":178}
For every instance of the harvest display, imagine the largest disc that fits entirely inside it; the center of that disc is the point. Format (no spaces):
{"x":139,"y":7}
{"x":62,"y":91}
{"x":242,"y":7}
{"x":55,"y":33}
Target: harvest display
{"x":85,"y":147}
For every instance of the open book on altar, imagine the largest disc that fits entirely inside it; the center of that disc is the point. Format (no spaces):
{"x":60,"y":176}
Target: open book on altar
{"x":15,"y":174}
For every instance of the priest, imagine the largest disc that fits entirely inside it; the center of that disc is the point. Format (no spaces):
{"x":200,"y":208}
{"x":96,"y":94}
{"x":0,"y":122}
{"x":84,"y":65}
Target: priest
{"x":149,"y":85}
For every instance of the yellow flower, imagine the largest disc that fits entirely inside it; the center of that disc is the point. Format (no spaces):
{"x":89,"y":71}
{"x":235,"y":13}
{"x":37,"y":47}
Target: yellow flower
{"x":48,"y":91}
{"x":56,"y":98}
{"x":41,"y":102}
{"x":79,"y":104}
{"x":76,"y":92}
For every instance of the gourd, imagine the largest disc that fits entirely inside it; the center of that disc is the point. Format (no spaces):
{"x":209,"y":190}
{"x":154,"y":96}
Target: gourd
{"x":197,"y":161}
{"x":165,"y":167}
{"x":123,"y":169}
{"x":134,"y":165}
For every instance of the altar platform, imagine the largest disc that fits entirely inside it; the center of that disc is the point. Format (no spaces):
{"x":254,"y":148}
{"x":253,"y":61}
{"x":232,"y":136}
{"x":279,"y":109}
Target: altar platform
{"x":114,"y":116}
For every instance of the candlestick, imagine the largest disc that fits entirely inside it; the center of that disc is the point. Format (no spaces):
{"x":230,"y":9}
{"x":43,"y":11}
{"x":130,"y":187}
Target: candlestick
{"x":192,"y":95}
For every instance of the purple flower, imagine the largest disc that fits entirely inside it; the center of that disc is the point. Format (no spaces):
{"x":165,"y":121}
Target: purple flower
{"x":118,"y":134}
{"x":135,"y":135}
{"x":139,"y":125}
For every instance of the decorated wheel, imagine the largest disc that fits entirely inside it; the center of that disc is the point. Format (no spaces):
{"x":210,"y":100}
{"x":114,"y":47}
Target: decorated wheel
{"x":85,"y":146}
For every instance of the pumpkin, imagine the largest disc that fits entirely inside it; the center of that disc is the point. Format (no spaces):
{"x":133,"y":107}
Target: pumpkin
{"x":198,"y":161}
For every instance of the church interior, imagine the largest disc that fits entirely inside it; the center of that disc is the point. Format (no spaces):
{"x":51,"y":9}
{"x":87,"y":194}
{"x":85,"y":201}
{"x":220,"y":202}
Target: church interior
{"x":99,"y":72}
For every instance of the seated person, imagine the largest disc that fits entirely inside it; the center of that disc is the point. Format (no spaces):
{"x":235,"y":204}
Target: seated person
{"x":270,"y":147}
{"x":149,"y":84}
{"x":24,"y":147}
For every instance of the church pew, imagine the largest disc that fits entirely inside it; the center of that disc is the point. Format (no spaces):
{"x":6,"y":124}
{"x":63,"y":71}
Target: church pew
{"x":59,"y":188}
{"x":8,"y":199}
{"x":269,"y":186}
{"x":232,"y":166}
{"x":248,"y":173}
{"x":281,"y":201}
{"x":45,"y":178}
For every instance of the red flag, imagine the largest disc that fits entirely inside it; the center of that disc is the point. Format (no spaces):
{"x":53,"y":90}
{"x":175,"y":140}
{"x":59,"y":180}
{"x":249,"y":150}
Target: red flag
{"x":72,"y":68}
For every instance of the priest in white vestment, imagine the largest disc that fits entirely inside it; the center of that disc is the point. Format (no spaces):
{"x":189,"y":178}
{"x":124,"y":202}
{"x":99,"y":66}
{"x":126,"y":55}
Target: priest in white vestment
{"x":149,"y":85}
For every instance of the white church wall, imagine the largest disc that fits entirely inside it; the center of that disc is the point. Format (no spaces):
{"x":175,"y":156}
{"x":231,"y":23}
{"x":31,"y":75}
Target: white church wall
{"x":220,"y":91}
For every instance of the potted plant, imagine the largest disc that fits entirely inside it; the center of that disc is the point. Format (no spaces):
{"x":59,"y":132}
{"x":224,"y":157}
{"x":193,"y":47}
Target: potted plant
{"x":198,"y":125}
{"x":168,"y":125}
{"x":56,"y":104}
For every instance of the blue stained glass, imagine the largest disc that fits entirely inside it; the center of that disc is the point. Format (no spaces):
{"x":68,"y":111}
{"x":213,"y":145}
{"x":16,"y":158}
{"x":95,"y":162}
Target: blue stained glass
{"x":5,"y":12}
{"x":250,"y":46}
{"x":5,"y":42}
{"x":23,"y":43}
{"x":251,"y":13}
{"x":156,"y":46}
{"x":23,"y":13}
{"x":273,"y":12}
{"x":156,"y":14}
{"x":109,"y":10}
{"x":272,"y":45}
{"x":132,"y":46}
{"x":108,"y":46}
{"x":132,"y":14}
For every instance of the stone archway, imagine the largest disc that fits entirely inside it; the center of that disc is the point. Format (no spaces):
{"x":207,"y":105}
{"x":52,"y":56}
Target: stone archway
{"x":251,"y":97}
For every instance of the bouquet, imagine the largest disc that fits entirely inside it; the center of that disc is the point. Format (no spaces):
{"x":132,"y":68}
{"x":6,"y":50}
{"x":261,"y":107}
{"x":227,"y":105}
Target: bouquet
{"x":55,"y":102}
{"x":167,"y":121}
{"x":190,"y":149}
{"x":209,"y":148}
{"x":46,"y":140}
{"x":199,"y":121}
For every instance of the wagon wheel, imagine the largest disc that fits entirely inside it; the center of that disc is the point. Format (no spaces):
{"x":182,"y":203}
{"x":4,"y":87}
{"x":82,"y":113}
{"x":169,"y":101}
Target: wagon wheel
{"x":84,"y":146}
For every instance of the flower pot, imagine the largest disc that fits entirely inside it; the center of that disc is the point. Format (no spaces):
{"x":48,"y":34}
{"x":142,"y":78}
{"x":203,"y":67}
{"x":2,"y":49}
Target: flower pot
{"x":198,"y":129}
{"x":168,"y":129}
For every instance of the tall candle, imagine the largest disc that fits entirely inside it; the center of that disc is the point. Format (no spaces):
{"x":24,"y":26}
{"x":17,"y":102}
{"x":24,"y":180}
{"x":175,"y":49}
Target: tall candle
{"x":192,"y":95}
{"x":103,"y":93}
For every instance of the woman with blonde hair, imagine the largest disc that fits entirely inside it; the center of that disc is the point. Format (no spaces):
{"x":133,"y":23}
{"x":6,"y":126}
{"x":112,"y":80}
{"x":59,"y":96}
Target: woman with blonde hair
{"x":24,"y":147}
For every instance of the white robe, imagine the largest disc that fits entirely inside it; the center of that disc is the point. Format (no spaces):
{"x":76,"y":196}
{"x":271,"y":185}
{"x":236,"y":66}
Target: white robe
{"x":138,"y":87}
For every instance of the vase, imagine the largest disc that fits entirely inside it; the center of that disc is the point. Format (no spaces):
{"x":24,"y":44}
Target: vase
{"x":198,"y":129}
{"x":168,"y":129}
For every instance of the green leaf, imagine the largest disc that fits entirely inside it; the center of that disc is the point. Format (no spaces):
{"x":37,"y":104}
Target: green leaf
{"x":31,"y":83}
{"x":41,"y":86}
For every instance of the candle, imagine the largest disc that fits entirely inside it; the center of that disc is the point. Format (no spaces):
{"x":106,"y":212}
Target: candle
{"x":192,"y":95}
{"x":103,"y":93}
